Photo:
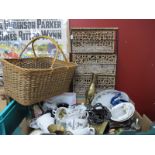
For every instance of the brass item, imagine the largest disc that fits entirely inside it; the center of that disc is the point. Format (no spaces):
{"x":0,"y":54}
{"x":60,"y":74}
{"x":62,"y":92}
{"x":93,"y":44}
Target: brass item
{"x":100,"y":128}
{"x":90,"y":92}
{"x":58,"y":129}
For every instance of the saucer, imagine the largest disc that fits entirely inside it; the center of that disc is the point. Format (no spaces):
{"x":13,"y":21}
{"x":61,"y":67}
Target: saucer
{"x":122,"y":112}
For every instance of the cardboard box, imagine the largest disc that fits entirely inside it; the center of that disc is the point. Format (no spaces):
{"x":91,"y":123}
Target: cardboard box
{"x":145,"y":126}
{"x":144,"y":122}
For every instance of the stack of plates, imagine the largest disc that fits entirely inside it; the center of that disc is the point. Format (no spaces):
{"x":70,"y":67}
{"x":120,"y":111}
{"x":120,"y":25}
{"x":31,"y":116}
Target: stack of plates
{"x":120,"y":112}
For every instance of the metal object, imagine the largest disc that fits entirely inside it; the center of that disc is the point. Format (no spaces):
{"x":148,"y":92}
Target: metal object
{"x":101,"y":128}
{"x":135,"y":125}
{"x":54,"y":128}
{"x":90,"y":92}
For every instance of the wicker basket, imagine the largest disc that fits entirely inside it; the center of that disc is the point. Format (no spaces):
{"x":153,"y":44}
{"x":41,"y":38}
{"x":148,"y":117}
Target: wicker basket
{"x":32,"y":80}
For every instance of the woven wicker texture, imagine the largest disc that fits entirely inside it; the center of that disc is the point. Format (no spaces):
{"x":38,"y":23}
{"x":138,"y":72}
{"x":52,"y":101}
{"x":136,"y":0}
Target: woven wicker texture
{"x":98,"y":63}
{"x":32,"y":80}
{"x":95,"y":51}
{"x":93,"y":40}
{"x":97,"y":58}
{"x":82,"y":81}
{"x":97,"y":69}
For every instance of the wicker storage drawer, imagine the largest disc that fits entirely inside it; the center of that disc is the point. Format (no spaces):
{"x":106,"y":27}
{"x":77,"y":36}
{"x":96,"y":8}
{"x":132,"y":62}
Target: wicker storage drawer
{"x":97,"y":58}
{"x":95,"y":62}
{"x":82,"y":81}
{"x":93,"y":40}
{"x":98,"y":69}
{"x":80,"y":91}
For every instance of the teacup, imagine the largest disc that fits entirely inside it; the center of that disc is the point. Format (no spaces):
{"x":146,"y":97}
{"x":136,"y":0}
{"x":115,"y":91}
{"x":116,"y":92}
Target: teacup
{"x":60,"y":112}
{"x":76,"y":123}
{"x":44,"y":121}
{"x":36,"y":132}
{"x":84,"y":131}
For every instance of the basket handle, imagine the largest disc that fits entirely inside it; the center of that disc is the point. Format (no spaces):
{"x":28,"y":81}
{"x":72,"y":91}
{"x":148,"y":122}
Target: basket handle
{"x":58,"y":48}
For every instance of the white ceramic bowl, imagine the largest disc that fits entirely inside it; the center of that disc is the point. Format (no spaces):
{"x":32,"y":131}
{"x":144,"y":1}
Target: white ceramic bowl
{"x":122,"y":112}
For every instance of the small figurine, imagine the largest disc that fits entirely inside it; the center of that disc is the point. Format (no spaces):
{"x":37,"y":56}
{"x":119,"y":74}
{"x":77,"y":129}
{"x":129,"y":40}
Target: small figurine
{"x":90,"y":92}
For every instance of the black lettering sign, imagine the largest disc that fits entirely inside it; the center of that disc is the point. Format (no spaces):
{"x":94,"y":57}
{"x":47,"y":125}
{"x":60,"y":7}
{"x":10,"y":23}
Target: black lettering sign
{"x":38,"y":23}
{"x":1,"y":26}
{"x":19,"y":24}
{"x":26,"y":29}
{"x":54,"y":34}
{"x":48,"y":24}
{"x":24,"y":35}
{"x":8,"y":36}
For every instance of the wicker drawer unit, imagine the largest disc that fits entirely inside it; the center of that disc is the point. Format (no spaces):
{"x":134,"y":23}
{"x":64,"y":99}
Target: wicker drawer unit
{"x":95,"y":51}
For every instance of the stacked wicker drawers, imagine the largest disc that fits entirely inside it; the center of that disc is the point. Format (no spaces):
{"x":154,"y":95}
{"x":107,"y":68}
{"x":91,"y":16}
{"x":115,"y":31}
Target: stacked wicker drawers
{"x":95,"y":51}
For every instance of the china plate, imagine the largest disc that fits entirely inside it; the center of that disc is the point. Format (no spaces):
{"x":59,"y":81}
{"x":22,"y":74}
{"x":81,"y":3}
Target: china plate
{"x":104,"y":97}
